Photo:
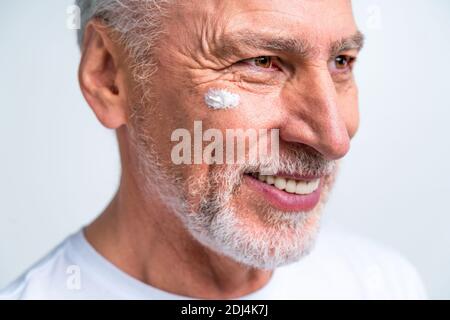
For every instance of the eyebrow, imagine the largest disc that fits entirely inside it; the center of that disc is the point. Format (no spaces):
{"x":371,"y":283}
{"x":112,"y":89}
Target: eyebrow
{"x":354,"y":42}
{"x":232,"y":43}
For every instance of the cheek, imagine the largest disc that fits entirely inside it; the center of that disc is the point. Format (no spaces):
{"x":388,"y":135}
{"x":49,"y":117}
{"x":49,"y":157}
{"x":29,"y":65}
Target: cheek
{"x":256,"y":111}
{"x":245,"y":110}
{"x":179,"y":109}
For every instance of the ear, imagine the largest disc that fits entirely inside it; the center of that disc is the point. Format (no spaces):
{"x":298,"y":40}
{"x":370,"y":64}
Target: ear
{"x":102,"y":76}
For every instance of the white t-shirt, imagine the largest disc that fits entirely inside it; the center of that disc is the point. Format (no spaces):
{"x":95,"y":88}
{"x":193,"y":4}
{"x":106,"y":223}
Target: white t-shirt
{"x":339,"y":267}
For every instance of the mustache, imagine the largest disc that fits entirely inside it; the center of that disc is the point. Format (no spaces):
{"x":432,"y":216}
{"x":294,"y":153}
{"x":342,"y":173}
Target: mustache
{"x":300,"y":159}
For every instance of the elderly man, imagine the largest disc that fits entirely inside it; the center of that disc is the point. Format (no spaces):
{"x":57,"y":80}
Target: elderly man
{"x":220,"y":229}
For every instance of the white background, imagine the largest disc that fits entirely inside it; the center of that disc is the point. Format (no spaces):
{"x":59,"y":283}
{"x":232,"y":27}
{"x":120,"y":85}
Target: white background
{"x":59,"y":167}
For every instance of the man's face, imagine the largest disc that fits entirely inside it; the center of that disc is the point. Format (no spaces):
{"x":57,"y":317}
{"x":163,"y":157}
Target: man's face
{"x":290,"y":63}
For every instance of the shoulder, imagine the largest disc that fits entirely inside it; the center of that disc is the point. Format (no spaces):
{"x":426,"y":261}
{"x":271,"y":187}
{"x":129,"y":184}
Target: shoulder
{"x":380,"y":271}
{"x":46,"y":277}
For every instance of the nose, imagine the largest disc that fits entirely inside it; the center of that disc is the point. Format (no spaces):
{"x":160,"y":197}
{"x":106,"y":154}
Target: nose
{"x":313,"y":116}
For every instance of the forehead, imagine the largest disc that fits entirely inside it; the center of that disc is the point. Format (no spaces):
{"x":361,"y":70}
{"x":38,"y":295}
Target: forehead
{"x":319,"y":21}
{"x":290,"y":14}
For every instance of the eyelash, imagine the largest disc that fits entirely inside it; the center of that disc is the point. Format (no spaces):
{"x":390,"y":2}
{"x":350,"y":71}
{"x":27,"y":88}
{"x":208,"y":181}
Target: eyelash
{"x":253,"y":61}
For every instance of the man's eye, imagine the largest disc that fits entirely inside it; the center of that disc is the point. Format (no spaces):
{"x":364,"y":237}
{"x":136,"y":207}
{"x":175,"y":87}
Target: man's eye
{"x":342,"y":63}
{"x":265,"y":62}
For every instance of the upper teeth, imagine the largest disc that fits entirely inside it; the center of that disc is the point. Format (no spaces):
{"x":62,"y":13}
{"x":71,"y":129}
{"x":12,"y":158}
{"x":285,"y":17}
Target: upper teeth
{"x":291,"y":186}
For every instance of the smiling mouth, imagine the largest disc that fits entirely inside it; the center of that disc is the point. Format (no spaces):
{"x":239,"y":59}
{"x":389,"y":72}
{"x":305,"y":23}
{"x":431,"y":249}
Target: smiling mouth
{"x":285,"y":191}
{"x":290,"y":185}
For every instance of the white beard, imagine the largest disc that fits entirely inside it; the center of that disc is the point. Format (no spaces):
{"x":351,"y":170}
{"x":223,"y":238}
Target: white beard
{"x":276,"y":244}
{"x":276,"y":238}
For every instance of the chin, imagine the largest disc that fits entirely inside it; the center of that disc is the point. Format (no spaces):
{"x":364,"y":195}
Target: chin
{"x":263,"y":239}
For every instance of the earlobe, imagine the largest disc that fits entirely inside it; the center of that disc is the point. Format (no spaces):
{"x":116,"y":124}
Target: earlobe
{"x":101,"y":80}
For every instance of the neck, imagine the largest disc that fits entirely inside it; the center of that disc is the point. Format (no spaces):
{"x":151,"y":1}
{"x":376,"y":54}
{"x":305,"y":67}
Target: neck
{"x":140,"y":235}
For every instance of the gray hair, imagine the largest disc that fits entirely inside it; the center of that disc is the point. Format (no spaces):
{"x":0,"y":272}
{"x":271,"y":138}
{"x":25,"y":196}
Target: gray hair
{"x":135,"y":23}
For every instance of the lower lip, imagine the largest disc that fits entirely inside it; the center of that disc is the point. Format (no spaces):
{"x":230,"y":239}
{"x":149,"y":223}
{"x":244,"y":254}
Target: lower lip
{"x":283,"y":200}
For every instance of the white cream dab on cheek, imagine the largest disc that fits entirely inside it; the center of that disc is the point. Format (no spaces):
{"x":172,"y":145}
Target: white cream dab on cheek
{"x":221,"y":99}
